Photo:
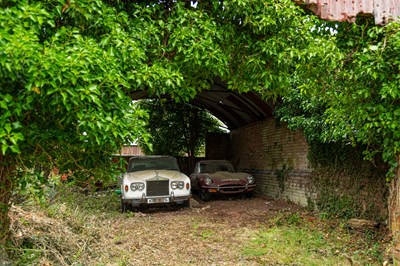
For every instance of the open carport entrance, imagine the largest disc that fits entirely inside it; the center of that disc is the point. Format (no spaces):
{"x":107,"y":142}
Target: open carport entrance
{"x":255,"y":143}
{"x":278,"y":157}
{"x":235,"y":110}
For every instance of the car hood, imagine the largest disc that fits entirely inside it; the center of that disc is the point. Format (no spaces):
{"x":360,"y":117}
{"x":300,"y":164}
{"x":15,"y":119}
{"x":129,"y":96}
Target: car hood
{"x":228,"y":176}
{"x":151,"y":174}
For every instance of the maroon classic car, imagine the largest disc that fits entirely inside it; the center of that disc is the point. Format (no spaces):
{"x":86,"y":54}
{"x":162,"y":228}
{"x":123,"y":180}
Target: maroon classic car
{"x":212,"y":177}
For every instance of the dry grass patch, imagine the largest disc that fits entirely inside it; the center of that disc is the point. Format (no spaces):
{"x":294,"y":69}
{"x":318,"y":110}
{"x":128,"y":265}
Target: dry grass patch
{"x":77,"y":229}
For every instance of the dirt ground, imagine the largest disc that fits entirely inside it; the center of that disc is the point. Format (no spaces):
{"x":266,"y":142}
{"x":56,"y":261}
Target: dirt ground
{"x":206,"y":233}
{"x":79,"y":229}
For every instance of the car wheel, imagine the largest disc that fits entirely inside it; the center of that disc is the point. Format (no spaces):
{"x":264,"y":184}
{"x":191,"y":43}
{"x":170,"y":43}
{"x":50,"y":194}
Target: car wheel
{"x":204,"y":195}
{"x":124,"y":207}
{"x":186,"y":204}
{"x":249,"y":195}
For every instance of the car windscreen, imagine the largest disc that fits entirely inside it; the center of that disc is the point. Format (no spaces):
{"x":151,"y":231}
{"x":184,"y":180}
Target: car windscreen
{"x":154,"y":163}
{"x":216,"y":167}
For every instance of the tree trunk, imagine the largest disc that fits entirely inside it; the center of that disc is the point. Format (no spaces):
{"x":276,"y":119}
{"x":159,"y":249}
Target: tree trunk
{"x":7,"y":171}
{"x":394,"y":212}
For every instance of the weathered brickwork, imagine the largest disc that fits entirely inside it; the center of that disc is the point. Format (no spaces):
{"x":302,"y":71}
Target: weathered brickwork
{"x":265,"y":145}
{"x":295,"y":186}
{"x":277,"y":157}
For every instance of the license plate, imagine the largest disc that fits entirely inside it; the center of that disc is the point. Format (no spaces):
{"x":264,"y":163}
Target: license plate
{"x":158,"y":200}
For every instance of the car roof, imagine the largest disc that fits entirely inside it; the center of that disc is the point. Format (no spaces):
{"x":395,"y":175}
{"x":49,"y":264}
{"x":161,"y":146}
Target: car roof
{"x":213,"y":161}
{"x":150,"y":157}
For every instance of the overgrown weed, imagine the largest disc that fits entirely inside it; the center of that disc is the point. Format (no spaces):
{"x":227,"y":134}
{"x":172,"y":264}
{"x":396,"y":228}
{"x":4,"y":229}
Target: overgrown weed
{"x":75,"y":228}
{"x":59,"y":232}
{"x":299,"y":239}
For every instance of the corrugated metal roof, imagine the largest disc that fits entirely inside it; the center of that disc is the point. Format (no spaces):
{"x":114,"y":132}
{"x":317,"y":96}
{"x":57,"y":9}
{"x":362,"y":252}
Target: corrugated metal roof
{"x":234,"y":109}
{"x":383,"y":11}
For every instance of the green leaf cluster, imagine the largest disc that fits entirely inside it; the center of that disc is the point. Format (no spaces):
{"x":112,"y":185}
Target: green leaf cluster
{"x":353,"y":97}
{"x":366,"y":105}
{"x":64,"y":83}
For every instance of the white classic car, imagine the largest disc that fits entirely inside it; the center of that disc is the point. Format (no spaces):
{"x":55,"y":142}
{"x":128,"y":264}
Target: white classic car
{"x":154,"y":180}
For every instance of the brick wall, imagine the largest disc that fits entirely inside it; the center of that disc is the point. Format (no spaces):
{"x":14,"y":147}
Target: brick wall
{"x":277,"y":157}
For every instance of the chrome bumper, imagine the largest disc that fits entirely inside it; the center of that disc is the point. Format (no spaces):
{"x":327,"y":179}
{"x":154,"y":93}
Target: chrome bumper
{"x":144,"y":200}
{"x":229,"y":189}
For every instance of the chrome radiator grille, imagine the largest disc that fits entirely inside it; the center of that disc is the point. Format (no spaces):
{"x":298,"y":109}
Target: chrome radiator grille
{"x":157,"y":188}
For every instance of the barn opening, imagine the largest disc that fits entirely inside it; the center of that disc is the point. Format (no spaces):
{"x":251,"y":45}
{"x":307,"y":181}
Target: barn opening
{"x":279,"y":158}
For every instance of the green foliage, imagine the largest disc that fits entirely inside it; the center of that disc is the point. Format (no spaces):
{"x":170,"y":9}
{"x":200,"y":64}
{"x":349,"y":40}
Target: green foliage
{"x":33,"y":185}
{"x":281,"y":176}
{"x":347,"y":185}
{"x":309,"y":244}
{"x":288,"y":218}
{"x":340,"y":156}
{"x":304,"y":112}
{"x":341,"y":206}
{"x":298,"y":238}
{"x":177,"y":129}
{"x":64,"y":84}
{"x":276,"y":36}
{"x":370,"y":103}
{"x":66,"y":70}
{"x":354,"y":99}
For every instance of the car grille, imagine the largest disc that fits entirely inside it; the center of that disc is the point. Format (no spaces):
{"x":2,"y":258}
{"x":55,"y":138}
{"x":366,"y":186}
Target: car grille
{"x":232,"y":188}
{"x":157,"y":188}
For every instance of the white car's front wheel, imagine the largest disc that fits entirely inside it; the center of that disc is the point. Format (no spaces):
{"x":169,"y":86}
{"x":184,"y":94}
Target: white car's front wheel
{"x":124,"y":207}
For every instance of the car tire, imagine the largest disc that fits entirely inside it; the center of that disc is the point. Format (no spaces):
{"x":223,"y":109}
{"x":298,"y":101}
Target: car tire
{"x":204,"y":195}
{"x":249,"y":195}
{"x":124,"y":207}
{"x":186,"y":204}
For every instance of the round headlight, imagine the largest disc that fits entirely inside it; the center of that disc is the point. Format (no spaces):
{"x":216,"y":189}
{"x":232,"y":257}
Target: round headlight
{"x":181,"y":184}
{"x":134,"y":186}
{"x":250,"y":179}
{"x":140,"y":186}
{"x":208,"y":181}
{"x":174,"y":185}
{"x":137,"y":186}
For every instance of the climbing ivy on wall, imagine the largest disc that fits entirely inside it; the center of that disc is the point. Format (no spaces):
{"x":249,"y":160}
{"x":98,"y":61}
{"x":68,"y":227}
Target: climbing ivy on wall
{"x":282,"y":175}
{"x":347,"y":186}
